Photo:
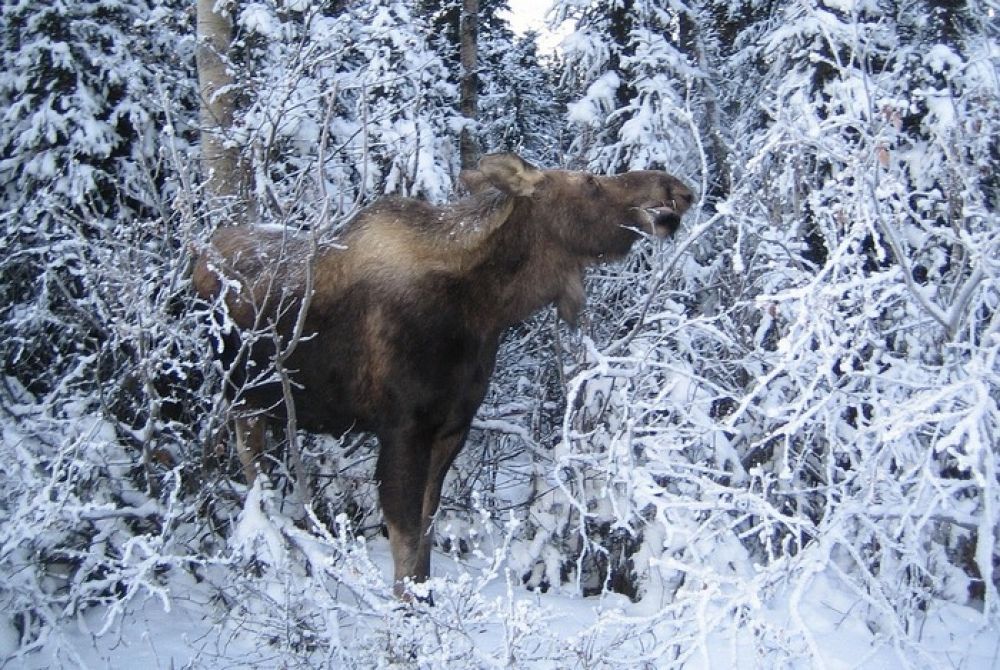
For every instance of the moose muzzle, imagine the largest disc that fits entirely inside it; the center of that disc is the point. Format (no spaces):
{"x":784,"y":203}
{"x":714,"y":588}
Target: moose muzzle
{"x":663,"y":221}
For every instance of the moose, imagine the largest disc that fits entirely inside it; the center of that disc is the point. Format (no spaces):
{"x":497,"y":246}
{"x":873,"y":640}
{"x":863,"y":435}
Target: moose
{"x":401,"y":318}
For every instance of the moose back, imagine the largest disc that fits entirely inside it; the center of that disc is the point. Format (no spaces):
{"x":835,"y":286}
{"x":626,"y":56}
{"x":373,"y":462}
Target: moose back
{"x":404,"y":315}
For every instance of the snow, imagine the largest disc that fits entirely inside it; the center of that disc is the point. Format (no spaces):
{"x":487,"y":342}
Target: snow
{"x":825,"y":623}
{"x":600,"y":96}
{"x":940,"y":58}
{"x":257,"y":18}
{"x":285,"y":593}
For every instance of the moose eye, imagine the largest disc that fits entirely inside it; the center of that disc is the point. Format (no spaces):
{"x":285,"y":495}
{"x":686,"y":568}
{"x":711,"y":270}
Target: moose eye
{"x":593,"y":185}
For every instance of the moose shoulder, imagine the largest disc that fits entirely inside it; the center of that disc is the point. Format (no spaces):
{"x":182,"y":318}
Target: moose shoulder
{"x":406,"y":311}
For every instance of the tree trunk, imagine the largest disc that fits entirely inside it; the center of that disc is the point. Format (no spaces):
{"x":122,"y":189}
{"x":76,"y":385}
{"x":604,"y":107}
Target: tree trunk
{"x":469,"y":86}
{"x":221,"y":162}
{"x":693,"y":45}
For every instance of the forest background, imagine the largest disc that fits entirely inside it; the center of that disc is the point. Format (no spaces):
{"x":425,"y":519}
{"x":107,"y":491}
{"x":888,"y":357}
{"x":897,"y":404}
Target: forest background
{"x":772,"y":443}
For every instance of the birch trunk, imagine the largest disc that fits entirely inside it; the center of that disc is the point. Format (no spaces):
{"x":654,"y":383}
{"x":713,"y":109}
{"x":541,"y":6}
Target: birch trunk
{"x":220,"y":160}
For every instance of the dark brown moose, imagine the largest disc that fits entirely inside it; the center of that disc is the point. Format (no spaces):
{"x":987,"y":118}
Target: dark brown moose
{"x":407,"y":309}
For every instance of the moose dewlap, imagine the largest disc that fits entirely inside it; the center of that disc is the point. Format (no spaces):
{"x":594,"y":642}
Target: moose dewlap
{"x":400,"y":333}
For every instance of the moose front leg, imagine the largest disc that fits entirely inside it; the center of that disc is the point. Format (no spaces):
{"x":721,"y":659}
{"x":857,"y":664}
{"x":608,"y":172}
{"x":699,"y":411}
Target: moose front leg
{"x":401,"y":473}
{"x":443,"y":453}
{"x":410,"y":475}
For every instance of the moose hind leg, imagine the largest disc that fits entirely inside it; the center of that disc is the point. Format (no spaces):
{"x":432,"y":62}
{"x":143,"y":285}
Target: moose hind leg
{"x":250,"y":445}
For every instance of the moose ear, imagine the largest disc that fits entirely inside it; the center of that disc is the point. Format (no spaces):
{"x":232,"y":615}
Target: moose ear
{"x":473,"y":181}
{"x":510,"y":173}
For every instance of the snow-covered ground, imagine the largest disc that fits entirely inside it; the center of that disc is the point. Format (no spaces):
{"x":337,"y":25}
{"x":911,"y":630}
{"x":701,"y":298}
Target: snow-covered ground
{"x":482,"y":619}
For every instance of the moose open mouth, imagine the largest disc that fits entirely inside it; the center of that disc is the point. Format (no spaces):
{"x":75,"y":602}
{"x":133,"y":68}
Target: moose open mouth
{"x":662,"y":221}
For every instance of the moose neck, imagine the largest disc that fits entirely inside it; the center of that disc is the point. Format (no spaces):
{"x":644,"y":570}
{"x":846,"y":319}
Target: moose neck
{"x":524,"y":268}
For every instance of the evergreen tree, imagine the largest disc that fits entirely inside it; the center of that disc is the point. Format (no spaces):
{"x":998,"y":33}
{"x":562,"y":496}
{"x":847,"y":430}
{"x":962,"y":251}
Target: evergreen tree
{"x":628,"y":83}
{"x":495,"y":40}
{"x":87,"y":88}
{"x":443,"y":19}
{"x":362,"y":80}
{"x":520,"y":110}
{"x":407,"y":103}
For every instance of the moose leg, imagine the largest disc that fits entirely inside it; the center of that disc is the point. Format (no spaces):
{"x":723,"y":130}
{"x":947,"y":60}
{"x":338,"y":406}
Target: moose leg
{"x":401,"y":472}
{"x":250,"y":445}
{"x":443,"y":453}
{"x":410,"y":475}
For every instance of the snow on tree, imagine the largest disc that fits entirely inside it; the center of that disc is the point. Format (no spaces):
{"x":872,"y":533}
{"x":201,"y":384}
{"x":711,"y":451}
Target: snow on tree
{"x":822,"y":359}
{"x":356,"y":84}
{"x":860,"y":161}
{"x":405,"y":102}
{"x":79,"y":154}
{"x":629,"y":87}
{"x":520,"y":108}
{"x":101,"y":369}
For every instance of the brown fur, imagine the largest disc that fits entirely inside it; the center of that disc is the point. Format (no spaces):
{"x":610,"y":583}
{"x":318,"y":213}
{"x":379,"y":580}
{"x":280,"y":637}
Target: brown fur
{"x":408,"y":308}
